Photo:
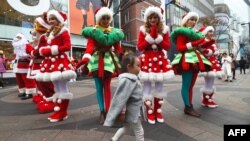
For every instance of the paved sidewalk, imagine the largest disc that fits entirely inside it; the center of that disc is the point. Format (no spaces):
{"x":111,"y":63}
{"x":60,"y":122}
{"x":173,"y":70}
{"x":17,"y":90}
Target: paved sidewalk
{"x":20,"y":121}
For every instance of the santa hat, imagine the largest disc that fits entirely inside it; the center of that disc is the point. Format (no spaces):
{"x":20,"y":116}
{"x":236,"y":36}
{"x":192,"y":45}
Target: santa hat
{"x":61,"y":16}
{"x":102,"y":11}
{"x":42,"y":22}
{"x":187,"y":16}
{"x":204,"y":30}
{"x":153,"y":9}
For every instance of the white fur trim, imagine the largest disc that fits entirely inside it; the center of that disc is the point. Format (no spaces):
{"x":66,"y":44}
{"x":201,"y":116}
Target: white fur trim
{"x":87,"y":55}
{"x":56,"y":108}
{"x":52,"y":98}
{"x":150,"y":111}
{"x":66,"y":96}
{"x":211,"y":74}
{"x":156,"y":77}
{"x":207,"y":96}
{"x":161,"y":102}
{"x":165,"y":29}
{"x":30,"y":91}
{"x":56,"y":14}
{"x":159,"y":111}
{"x":159,"y":39}
{"x":103,"y":11}
{"x":208,"y":28}
{"x":59,"y":100}
{"x":68,"y":74}
{"x":188,"y":16}
{"x":54,"y":50}
{"x":22,"y":90}
{"x":149,"y":39}
{"x":150,"y":10}
{"x":143,"y":30}
{"x":57,"y":75}
{"x":42,"y":22}
{"x":189,"y":46}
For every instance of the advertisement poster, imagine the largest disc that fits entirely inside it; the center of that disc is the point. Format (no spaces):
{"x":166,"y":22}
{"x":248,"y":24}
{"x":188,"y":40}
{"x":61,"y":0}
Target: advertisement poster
{"x":82,"y":14}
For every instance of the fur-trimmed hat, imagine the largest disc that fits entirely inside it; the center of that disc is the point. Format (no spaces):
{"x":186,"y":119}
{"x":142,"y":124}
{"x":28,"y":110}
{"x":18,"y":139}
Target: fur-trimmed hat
{"x":187,"y":16}
{"x":204,"y":30}
{"x":102,"y":11}
{"x":61,"y":16}
{"x":153,"y":9}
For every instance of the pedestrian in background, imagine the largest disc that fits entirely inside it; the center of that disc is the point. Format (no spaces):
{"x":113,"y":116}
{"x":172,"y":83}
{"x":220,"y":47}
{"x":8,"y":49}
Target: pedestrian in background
{"x":233,"y":65}
{"x":2,"y":68}
{"x":226,"y":66}
{"x":242,"y":63}
{"x":128,"y":94}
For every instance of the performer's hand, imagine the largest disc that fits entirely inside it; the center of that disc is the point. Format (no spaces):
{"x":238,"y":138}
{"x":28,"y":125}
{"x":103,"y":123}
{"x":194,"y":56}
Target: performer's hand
{"x":197,"y":43}
{"x":45,"y":51}
{"x":154,"y":31}
{"x":207,"y":43}
{"x":83,"y":62}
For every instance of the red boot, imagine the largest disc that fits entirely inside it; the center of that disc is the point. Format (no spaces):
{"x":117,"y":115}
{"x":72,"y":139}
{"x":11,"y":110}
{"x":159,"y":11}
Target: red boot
{"x":60,"y":111}
{"x":149,"y":110}
{"x":45,"y":106}
{"x":211,"y":102}
{"x":204,"y":101}
{"x":37,"y":98}
{"x":157,"y":109}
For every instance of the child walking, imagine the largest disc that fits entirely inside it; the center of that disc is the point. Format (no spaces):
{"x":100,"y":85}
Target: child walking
{"x":129,"y":94}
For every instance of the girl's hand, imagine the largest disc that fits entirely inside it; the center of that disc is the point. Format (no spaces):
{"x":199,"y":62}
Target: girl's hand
{"x":153,"y":31}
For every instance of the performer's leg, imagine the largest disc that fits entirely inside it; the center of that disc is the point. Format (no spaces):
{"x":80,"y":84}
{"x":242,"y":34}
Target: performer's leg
{"x":158,"y":101}
{"x":30,"y":86}
{"x":148,"y":102}
{"x":20,"y":84}
{"x":99,"y":95}
{"x":107,"y":93}
{"x":188,"y":79}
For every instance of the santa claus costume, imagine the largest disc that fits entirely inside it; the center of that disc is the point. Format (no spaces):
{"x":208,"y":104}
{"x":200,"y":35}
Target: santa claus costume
{"x":26,"y":86}
{"x":210,"y":51}
{"x":56,"y":65}
{"x":103,"y":46}
{"x":153,"y":40}
{"x":189,"y":61}
{"x":45,"y":89}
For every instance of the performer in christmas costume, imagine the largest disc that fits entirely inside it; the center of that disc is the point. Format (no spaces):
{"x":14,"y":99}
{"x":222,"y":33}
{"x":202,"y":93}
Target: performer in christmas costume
{"x":26,"y":86}
{"x":45,"y":89}
{"x":210,"y":52}
{"x":189,"y":61}
{"x":56,"y":65}
{"x":102,"y":62}
{"x":153,"y":40}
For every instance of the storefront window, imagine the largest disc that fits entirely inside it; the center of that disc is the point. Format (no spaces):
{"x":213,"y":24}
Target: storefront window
{"x":16,"y":19}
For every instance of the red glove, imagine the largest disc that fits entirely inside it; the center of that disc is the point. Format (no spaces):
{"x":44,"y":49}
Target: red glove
{"x":197,"y":43}
{"x":45,"y":51}
{"x":207,"y":43}
{"x":154,"y":32}
{"x":35,"y":53}
{"x":83,"y":62}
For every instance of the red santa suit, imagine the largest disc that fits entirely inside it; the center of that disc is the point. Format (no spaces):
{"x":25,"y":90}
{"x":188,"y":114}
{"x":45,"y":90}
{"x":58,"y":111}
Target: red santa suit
{"x":155,"y":67}
{"x":45,"y":89}
{"x":56,"y":66}
{"x":210,"y":52}
{"x":26,"y":86}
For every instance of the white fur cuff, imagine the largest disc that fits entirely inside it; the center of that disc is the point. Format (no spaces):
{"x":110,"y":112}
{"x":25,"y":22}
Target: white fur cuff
{"x":54,"y":50}
{"x":87,"y":55}
{"x":149,"y":39}
{"x":159,"y":39}
{"x":189,"y":46}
